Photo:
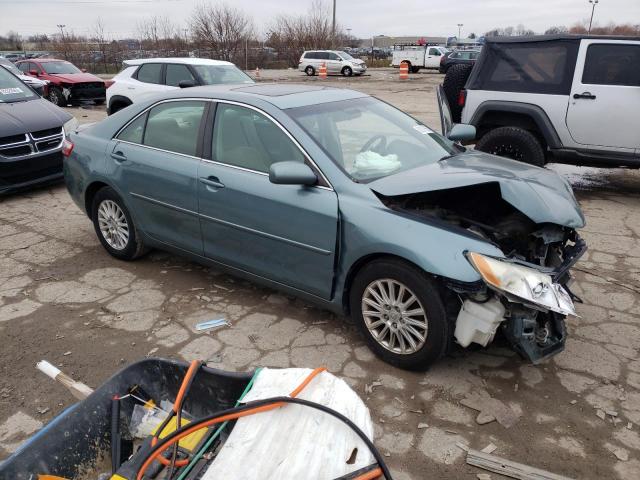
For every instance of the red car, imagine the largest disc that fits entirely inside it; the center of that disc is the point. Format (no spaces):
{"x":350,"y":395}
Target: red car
{"x":68,"y":84}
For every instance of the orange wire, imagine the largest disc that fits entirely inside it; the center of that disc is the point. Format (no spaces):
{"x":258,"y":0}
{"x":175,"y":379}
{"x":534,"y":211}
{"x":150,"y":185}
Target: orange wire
{"x":193,"y":368}
{"x":377,"y":473}
{"x":224,"y":418}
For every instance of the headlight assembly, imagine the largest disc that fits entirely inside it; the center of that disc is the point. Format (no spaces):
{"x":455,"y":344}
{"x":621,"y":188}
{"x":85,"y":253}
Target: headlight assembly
{"x":526,"y":284}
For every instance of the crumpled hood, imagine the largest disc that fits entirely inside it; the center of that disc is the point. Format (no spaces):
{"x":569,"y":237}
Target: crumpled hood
{"x":540,"y":194}
{"x":30,"y":116}
{"x":75,"y":77}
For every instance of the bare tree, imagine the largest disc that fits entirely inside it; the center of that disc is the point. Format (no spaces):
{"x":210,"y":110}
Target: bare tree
{"x":100,"y":38}
{"x":556,"y":30}
{"x":290,"y":35}
{"x":221,"y":28}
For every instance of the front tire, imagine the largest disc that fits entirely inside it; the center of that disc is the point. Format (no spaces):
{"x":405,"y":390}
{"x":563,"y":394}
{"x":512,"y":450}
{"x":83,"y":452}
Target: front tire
{"x":56,"y":97}
{"x":400,"y":313}
{"x":515,"y":143}
{"x":114,"y":226}
{"x":347,"y":71}
{"x":310,"y":71}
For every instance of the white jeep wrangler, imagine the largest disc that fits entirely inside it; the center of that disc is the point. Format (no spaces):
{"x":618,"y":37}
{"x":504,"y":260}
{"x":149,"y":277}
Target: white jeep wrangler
{"x":563,"y":98}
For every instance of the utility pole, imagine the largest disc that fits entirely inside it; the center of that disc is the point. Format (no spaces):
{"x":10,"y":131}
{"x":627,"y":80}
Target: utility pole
{"x":333,"y":24}
{"x":64,"y":44}
{"x":460,"y":25}
{"x":593,"y":9}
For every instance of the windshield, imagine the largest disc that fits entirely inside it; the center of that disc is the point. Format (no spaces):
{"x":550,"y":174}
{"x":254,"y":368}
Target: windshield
{"x":221,"y":74}
{"x":12,"y":89}
{"x":59,"y":67}
{"x":346,"y":56}
{"x":10,"y":66}
{"x":370,"y":139}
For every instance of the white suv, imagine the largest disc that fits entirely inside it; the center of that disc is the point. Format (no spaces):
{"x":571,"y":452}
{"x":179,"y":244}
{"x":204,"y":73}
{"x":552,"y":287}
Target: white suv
{"x":153,"y":75}
{"x":563,"y":98}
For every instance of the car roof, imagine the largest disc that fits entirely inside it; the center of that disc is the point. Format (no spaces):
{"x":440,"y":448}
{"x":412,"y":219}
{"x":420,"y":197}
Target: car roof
{"x":282,"y":96}
{"x":183,"y":60}
{"x":546,"y":38}
{"x":42,"y":60}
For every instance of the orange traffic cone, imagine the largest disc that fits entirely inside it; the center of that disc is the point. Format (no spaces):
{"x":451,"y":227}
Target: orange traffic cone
{"x":322,"y":72}
{"x":404,"y":71}
{"x":257,"y":73}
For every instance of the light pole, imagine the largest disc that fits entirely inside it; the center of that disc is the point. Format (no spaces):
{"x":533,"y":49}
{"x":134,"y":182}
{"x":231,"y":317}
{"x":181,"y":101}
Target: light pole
{"x":460,"y":25}
{"x":333,"y":23}
{"x":593,"y":9}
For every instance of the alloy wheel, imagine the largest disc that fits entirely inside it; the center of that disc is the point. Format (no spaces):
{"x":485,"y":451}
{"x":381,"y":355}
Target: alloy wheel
{"x":394,"y":316}
{"x":113,"y":224}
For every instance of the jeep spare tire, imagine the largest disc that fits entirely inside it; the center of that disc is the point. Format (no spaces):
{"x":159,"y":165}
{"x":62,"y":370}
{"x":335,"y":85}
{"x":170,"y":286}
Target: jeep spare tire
{"x":454,"y":81}
{"x":515,"y":143}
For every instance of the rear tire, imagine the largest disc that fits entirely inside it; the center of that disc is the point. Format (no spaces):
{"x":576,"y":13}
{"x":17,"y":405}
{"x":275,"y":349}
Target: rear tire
{"x":310,"y":71}
{"x":114,"y":226}
{"x":423,"y":352}
{"x":515,"y":143}
{"x":455,"y":79}
{"x":414,"y":69}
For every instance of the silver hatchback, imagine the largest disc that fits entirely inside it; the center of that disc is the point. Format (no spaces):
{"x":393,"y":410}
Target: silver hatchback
{"x":337,"y":62}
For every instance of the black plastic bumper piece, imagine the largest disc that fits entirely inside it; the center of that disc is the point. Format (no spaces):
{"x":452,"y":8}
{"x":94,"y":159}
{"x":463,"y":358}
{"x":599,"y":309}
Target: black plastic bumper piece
{"x":534,"y":335}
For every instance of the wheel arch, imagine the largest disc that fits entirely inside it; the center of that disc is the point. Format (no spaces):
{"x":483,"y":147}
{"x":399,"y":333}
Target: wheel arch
{"x":495,"y":113}
{"x":360,"y":263}
{"x":90,"y":193}
{"x":117,"y":100}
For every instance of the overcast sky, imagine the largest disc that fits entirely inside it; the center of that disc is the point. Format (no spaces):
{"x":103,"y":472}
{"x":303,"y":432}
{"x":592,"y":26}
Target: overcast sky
{"x":364,"y":17}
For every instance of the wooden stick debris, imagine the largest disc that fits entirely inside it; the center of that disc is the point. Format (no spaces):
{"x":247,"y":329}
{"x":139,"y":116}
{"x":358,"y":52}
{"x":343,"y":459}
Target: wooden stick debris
{"x":77,"y":389}
{"x":508,"y":468}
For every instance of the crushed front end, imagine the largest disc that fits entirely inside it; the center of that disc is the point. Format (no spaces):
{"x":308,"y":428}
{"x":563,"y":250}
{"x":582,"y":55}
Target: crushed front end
{"x":526,"y":294}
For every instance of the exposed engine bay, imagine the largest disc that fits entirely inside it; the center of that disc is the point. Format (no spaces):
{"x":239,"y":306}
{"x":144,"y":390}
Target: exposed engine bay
{"x":534,"y":332}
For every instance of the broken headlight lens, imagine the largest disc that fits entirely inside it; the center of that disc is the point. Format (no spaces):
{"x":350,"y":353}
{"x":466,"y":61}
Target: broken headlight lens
{"x":526,"y":284}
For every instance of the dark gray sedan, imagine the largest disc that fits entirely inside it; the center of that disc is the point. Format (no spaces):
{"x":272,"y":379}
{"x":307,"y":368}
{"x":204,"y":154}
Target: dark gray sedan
{"x":345,"y":201}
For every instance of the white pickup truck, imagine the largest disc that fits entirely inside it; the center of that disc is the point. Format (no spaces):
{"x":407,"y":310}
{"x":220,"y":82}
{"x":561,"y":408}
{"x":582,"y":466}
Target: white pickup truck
{"x":418,"y":56}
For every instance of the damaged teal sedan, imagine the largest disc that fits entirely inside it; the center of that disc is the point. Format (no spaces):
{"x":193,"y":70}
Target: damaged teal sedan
{"x":345,"y":201}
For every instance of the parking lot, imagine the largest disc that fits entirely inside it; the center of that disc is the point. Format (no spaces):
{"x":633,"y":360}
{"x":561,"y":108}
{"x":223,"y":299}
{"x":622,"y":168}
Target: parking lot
{"x":64,"y":299}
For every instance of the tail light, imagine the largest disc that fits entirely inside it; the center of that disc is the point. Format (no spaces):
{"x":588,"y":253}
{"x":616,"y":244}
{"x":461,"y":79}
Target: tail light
{"x":67,"y":148}
{"x":462,"y":98}
{"x":442,"y":59}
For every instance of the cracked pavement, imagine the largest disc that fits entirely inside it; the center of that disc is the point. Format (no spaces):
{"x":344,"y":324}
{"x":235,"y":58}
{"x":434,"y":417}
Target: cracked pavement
{"x":64,"y":299}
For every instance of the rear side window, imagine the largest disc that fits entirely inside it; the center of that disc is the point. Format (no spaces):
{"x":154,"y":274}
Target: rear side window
{"x":24,"y":67}
{"x":177,"y":73}
{"x":608,"y":64}
{"x":150,"y":73}
{"x":311,"y":55}
{"x":174,"y":126}
{"x":529,"y":67}
{"x":134,"y":131}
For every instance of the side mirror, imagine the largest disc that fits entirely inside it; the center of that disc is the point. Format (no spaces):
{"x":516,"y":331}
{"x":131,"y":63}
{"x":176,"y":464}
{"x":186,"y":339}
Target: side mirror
{"x":186,"y":83}
{"x":462,"y":132}
{"x":292,"y":173}
{"x":33,"y":72}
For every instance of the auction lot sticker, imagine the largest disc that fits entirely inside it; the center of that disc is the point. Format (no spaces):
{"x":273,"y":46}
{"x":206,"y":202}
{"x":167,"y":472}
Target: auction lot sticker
{"x":11,"y":91}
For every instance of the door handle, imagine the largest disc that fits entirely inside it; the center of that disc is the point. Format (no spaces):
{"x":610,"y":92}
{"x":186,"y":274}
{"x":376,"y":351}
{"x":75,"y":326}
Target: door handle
{"x":585,"y":95}
{"x":212,"y":182}
{"x":119,"y":156}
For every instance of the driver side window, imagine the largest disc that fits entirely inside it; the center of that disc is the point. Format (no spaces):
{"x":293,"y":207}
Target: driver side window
{"x":243,"y":137}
